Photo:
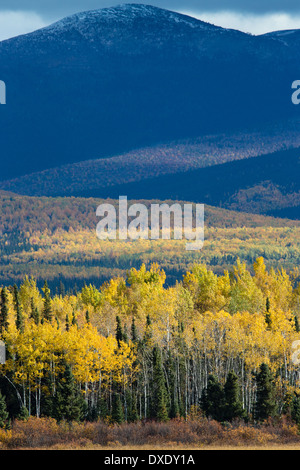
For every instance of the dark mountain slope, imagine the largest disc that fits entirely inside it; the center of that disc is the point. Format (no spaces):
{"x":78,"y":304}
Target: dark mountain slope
{"x":263,"y":185}
{"x":102,"y":82}
{"x":150,"y":162}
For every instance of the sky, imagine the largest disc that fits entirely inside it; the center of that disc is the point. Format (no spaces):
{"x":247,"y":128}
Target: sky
{"x":252,"y":16}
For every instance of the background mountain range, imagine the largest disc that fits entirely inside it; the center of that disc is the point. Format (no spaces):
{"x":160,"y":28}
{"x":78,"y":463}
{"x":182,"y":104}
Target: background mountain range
{"x":153,"y":104}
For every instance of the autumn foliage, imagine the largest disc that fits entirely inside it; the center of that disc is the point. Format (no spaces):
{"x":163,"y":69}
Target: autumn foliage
{"x":137,"y":351}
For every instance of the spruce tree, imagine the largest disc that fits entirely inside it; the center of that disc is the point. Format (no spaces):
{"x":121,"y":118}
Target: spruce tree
{"x":119,"y":331}
{"x":232,"y":395}
{"x":268,"y":318}
{"x":159,"y":409}
{"x":68,"y":403}
{"x":148,"y":332}
{"x":213,"y":399}
{"x":47,"y":310}
{"x":132,"y":409}
{"x":295,"y":409}
{"x":4,"y":417}
{"x":92,"y":414}
{"x":297,"y":326}
{"x":61,"y":289}
{"x":174,"y":411}
{"x":125,"y":334}
{"x":265,"y":404}
{"x":67,"y":323}
{"x":47,"y":398}
{"x":18,"y":308}
{"x":134,"y":334}
{"x":34,"y":313}
{"x":24,"y":414}
{"x":117,"y":415}
{"x":103,"y":408}
{"x":74,"y":320}
{"x":3,"y":310}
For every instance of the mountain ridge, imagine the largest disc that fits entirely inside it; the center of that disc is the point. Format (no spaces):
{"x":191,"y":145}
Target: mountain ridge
{"x":167,"y":158}
{"x":85,"y":97}
{"x":122,"y":13}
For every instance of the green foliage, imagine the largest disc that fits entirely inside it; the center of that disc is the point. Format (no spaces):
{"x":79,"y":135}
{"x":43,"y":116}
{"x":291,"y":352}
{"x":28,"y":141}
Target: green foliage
{"x":3,"y":310}
{"x":43,"y":238}
{"x":24,"y":414}
{"x":213,"y":399}
{"x":117,"y":415}
{"x":68,"y":404}
{"x":151,"y":350}
{"x":295,"y":412}
{"x":159,"y":393}
{"x":19,"y":310}
{"x":119,"y":331}
{"x":265,"y":405}
{"x":233,"y":398}
{"x":4,"y":416}
{"x":47,"y":309}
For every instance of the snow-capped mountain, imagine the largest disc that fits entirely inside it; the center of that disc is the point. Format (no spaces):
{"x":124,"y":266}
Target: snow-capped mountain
{"x":103,"y":82}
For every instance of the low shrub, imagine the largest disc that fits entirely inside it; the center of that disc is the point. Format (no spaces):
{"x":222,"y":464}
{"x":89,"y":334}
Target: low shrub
{"x":198,"y":431}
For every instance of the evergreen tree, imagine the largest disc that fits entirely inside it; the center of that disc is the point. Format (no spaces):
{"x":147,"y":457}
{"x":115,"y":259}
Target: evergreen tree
{"x":117,"y":414}
{"x":47,"y":399}
{"x":18,"y":308}
{"x":67,"y":323}
{"x":125,"y":334}
{"x":92,"y":414}
{"x":61,"y":289}
{"x":174,"y":411}
{"x":148,"y":333}
{"x":295,"y":409}
{"x":4,"y":417}
{"x":34,"y":313}
{"x":119,"y":331}
{"x":213,"y":399}
{"x":268,"y":318}
{"x":87,"y":317}
{"x":24,"y":414}
{"x":148,"y":320}
{"x":159,"y":393}
{"x":134,"y":334}
{"x":68,"y":403}
{"x":232,"y":394}
{"x":132,"y":408}
{"x":74,"y":320}
{"x":103,"y":408}
{"x":47,"y":310}
{"x":3,"y":310}
{"x":265,"y":404}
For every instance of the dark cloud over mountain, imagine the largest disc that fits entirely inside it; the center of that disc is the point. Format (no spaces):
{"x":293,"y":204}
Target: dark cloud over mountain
{"x":53,"y":8}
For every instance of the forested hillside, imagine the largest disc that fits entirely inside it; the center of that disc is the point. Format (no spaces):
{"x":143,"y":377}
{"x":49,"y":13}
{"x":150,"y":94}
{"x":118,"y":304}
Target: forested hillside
{"x":171,"y":158}
{"x":264,"y":185}
{"x":135,"y":348}
{"x":55,"y":239}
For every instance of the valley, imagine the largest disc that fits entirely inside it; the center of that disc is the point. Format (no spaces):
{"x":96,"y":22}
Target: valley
{"x":55,"y":239}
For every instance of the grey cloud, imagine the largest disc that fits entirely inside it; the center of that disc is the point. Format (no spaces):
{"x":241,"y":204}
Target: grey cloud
{"x":58,"y":8}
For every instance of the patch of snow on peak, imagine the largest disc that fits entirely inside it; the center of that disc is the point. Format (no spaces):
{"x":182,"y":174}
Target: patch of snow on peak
{"x":125,"y":13}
